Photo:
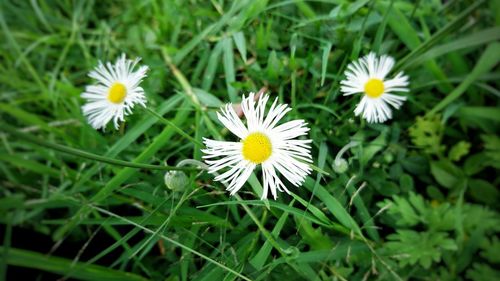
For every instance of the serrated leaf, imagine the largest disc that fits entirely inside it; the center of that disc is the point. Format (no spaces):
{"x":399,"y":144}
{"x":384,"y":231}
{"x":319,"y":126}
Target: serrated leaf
{"x":418,"y":202}
{"x":424,"y":248}
{"x":427,"y":132}
{"x":477,"y":216}
{"x":482,"y":272}
{"x":459,"y":150}
{"x":313,"y":237}
{"x":440,"y":216}
{"x":491,"y":249}
{"x":401,"y":210}
{"x":414,"y":210}
{"x":492,"y":147}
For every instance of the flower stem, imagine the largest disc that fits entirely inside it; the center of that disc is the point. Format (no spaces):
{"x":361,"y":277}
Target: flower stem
{"x":344,"y":149}
{"x":85,"y":154}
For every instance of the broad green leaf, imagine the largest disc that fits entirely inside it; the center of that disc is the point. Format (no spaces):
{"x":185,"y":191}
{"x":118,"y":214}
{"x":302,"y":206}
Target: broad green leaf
{"x":475,"y":164}
{"x":367,"y":152}
{"x":446,"y":174}
{"x":483,"y":191}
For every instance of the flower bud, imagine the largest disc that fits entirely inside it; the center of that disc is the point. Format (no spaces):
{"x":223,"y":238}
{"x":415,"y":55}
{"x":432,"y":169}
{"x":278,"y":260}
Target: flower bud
{"x":388,"y":157}
{"x":176,"y":180}
{"x":340,"y":165}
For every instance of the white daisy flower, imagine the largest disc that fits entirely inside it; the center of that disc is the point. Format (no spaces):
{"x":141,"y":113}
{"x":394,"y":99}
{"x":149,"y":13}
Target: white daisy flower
{"x":367,"y":76}
{"x":263,"y":143}
{"x":116,"y":92}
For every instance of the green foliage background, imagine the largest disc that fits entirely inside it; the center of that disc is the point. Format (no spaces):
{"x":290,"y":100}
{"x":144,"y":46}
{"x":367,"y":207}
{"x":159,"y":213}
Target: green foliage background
{"x":418,"y":201}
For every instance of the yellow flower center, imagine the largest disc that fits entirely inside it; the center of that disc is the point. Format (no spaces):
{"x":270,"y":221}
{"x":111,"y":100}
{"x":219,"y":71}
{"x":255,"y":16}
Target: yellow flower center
{"x":257,"y":148}
{"x":374,"y":88}
{"x":117,"y":93}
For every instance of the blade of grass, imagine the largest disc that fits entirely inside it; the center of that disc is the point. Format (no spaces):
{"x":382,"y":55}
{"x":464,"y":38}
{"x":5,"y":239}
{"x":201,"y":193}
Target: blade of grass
{"x":273,"y":204}
{"x":188,"y":90}
{"x":133,"y":134}
{"x":212,"y":65}
{"x":400,"y":25}
{"x":477,"y":38}
{"x":324,"y":61}
{"x":379,"y":36}
{"x":333,"y":205}
{"x":81,"y":271}
{"x":5,"y":246}
{"x":241,"y":45}
{"x":177,"y":129}
{"x":484,"y":112}
{"x":30,"y":165}
{"x":122,"y":175}
{"x":85,"y":154}
{"x":356,"y":49}
{"x":228,"y":63}
{"x":487,"y":61}
{"x":174,"y":242}
{"x":418,"y":48}
{"x":213,"y":28}
{"x":363,"y":213}
{"x":260,"y":258}
{"x":267,"y":235}
{"x":12,"y":41}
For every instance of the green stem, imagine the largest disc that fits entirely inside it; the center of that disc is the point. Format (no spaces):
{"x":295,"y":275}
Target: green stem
{"x":172,"y":125}
{"x":84,"y":154}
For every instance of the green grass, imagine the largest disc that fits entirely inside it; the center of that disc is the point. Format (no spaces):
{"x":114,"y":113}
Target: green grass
{"x":419,"y":200}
